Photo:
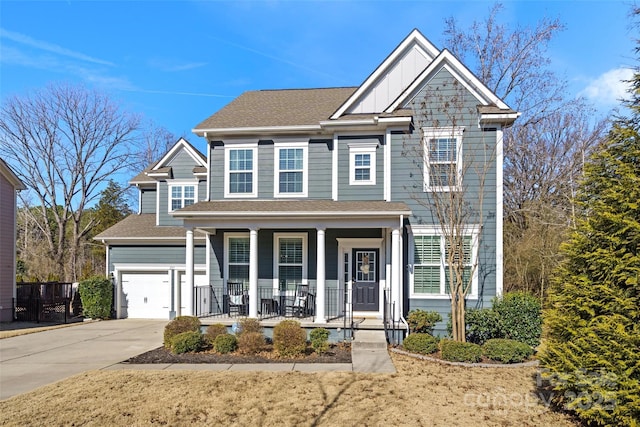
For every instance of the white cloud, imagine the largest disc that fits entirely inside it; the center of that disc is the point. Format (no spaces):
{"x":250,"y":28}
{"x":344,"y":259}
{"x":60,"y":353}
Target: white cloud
{"x":608,"y":88}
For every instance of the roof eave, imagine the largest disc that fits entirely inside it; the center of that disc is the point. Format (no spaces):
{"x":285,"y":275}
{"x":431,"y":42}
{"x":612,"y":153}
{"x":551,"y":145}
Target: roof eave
{"x":209,"y":132}
{"x":505,"y":119}
{"x":288,"y":214}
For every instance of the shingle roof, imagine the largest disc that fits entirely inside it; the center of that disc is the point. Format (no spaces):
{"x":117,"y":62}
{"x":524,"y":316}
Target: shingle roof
{"x":142,"y":226}
{"x":288,"y":107}
{"x":294,"y":207}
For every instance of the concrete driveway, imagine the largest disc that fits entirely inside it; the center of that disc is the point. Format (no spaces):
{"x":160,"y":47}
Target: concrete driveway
{"x":31,"y":361}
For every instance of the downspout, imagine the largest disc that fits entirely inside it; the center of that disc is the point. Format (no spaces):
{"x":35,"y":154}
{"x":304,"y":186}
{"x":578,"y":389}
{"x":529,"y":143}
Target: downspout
{"x":402,"y":319}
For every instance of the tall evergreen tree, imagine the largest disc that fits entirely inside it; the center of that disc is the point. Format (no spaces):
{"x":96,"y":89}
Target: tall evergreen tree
{"x":592,"y":327}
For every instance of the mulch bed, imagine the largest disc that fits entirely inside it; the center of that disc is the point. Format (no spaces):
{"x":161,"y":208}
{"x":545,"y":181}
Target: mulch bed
{"x":338,"y":353}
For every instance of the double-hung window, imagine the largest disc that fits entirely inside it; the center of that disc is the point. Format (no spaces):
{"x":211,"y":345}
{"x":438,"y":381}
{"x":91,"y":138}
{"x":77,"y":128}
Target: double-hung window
{"x":237,"y":258}
{"x":181,"y":195}
{"x":432,"y":257}
{"x":290,"y":263}
{"x":241,"y":166}
{"x":362,"y":164}
{"x":442,"y":158}
{"x":291,"y":170}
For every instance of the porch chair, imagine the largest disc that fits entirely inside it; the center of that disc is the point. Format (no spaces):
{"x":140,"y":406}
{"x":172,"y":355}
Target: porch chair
{"x":298,"y":305}
{"x":238,"y":298}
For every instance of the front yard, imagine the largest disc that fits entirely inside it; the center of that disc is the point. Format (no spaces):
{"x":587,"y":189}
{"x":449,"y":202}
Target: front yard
{"x":421,"y":393}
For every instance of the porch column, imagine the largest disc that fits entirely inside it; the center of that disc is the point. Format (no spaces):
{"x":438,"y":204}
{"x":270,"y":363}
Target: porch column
{"x":189,"y":280}
{"x":320,"y":278}
{"x":396,"y":273}
{"x":253,"y":273}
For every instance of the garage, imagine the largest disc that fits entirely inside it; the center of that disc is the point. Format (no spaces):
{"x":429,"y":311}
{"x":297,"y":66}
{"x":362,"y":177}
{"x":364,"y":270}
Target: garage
{"x":145,"y":295}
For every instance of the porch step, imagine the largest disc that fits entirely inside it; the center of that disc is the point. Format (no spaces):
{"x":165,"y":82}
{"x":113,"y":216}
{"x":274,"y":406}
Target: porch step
{"x":369,"y":339}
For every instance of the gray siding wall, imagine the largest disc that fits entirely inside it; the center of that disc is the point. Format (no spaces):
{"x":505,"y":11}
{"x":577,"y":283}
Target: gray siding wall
{"x":148,"y":200}
{"x":320,"y":167}
{"x":153,"y":255}
{"x":265,"y":170}
{"x":216,"y":172}
{"x":359,"y":192}
{"x":407,"y":177}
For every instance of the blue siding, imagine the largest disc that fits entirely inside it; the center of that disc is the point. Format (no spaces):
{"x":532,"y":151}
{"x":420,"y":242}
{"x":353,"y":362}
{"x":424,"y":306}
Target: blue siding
{"x":147,"y":200}
{"x":359,"y":192}
{"x":145,"y":254}
{"x":320,"y":167}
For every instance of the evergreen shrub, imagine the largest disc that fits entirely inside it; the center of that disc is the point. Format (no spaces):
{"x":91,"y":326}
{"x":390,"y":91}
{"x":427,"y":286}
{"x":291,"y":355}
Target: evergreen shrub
{"x":319,"y":338}
{"x":187,"y":342}
{"x":179,"y":325}
{"x":289,"y":339}
{"x":420,"y":343}
{"x":506,"y":350}
{"x":213,"y":331}
{"x":455,"y":351}
{"x":482,"y":325}
{"x":520,"y":315}
{"x":225,"y":343}
{"x":249,"y":325}
{"x":251,"y":342}
{"x":421,"y":321}
{"x":96,"y":294}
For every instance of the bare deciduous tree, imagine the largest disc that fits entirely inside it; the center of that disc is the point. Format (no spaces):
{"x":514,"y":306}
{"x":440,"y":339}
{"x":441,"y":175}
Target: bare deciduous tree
{"x":64,"y":143}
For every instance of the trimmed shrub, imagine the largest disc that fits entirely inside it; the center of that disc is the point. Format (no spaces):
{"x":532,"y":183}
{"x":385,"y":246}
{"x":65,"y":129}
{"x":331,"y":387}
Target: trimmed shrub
{"x":319,"y":340}
{"x":455,"y":351}
{"x":187,"y":342}
{"x":423,"y":322}
{"x":213,"y":331}
{"x":482,"y":325}
{"x":251,"y":342}
{"x":96,"y":294}
{"x":289,"y":339}
{"x":225,"y":343}
{"x":506,"y":350}
{"x":179,"y":325}
{"x":420,"y":343}
{"x":249,"y":325}
{"x":520,"y":317}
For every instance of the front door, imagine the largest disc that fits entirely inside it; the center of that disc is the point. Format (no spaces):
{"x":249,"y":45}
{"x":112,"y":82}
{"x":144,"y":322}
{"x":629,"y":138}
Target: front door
{"x":365,"y":280}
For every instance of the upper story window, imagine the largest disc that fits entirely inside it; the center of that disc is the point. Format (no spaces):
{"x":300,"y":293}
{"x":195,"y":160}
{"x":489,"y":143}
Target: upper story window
{"x":431,"y":257}
{"x":291,"y":171}
{"x":240,"y":171}
{"x":362,"y":164}
{"x":442,"y":158}
{"x":181,"y":195}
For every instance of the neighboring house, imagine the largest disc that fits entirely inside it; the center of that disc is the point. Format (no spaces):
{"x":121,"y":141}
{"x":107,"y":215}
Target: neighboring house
{"x":9,"y":185}
{"x":323,"y":187}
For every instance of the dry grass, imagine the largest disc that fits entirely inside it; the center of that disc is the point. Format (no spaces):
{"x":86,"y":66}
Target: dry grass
{"x":421,"y":393}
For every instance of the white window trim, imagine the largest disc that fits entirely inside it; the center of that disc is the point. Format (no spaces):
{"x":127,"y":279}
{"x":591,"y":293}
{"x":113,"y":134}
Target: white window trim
{"x":254,"y":171}
{"x":276,"y":252}
{"x":367,"y":148}
{"x":277,"y":146}
{"x":181,"y":183}
{"x":442,"y":132}
{"x":470,"y":230}
{"x":227,"y":237}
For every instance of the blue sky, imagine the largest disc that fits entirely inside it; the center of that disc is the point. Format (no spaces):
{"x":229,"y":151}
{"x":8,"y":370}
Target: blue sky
{"x":178,"y":62}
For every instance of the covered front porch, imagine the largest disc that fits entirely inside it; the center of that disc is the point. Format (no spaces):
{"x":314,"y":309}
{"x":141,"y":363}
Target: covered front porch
{"x":311,"y":259}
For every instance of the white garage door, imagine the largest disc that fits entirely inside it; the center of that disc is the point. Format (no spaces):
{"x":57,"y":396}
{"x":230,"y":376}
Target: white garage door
{"x":146,"y":295}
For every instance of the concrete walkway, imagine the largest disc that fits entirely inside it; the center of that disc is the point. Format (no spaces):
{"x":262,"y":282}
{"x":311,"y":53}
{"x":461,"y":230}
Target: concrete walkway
{"x":34,"y":360}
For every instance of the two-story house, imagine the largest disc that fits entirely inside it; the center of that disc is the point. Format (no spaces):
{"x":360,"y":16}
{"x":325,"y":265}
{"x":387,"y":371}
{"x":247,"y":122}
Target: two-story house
{"x":330,"y":191}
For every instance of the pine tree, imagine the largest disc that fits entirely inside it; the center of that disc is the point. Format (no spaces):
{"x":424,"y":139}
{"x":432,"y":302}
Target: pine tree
{"x":592,"y":325}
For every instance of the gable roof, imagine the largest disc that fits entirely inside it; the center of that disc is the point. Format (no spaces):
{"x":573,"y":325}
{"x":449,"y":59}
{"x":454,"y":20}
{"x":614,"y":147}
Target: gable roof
{"x":380,"y":100}
{"x":161,"y":170}
{"x":10,"y":176}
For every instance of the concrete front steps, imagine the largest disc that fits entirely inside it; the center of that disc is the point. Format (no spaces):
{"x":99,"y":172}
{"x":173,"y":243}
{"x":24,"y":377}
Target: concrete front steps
{"x":369,"y":352}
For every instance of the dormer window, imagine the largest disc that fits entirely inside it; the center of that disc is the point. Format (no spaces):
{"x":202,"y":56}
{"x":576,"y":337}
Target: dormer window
{"x":182,"y":195}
